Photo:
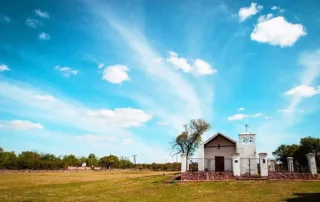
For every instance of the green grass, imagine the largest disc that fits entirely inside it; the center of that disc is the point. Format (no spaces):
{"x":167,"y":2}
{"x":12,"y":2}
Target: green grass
{"x":144,"y":186}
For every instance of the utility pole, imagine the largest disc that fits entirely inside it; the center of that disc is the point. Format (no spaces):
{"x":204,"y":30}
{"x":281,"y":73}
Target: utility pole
{"x":134,"y":159}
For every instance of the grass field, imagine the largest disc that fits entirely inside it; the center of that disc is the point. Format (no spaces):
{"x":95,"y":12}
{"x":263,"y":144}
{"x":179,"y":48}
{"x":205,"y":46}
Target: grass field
{"x":145,"y":186}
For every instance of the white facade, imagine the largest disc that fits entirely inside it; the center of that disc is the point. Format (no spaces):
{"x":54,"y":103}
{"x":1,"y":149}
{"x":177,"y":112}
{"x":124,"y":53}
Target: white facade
{"x":220,"y":149}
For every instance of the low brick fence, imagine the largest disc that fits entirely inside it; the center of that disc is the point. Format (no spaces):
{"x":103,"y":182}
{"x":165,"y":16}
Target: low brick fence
{"x":292,"y":175}
{"x":203,"y":176}
{"x":217,"y":176}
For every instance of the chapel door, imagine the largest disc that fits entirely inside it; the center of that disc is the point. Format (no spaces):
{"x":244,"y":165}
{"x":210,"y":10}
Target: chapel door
{"x":219,"y":162}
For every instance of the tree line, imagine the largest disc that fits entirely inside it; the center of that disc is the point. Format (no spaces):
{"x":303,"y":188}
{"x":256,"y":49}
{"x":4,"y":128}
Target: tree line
{"x":41,"y":161}
{"x":299,"y":152}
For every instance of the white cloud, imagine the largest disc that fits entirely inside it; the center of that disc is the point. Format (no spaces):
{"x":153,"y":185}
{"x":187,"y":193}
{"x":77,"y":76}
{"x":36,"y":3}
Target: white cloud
{"x":243,"y":116}
{"x":157,"y":60}
{"x":237,"y":117}
{"x":179,"y":62}
{"x":22,"y":125}
{"x":277,"y":31}
{"x":67,"y":71}
{"x":127,"y":141}
{"x":101,"y":65}
{"x":116,"y":74}
{"x":33,"y":23}
{"x":124,"y":117}
{"x":241,"y":109}
{"x":69,"y":113}
{"x":4,"y":67}
{"x":46,"y":98}
{"x":44,"y":36}
{"x":256,"y":115}
{"x":303,"y":91}
{"x":167,"y":85}
{"x":201,"y":67}
{"x":311,"y":64}
{"x":265,"y":17}
{"x":93,"y":138}
{"x":275,"y":8}
{"x":246,"y":12}
{"x":42,"y":14}
{"x":267,"y":117}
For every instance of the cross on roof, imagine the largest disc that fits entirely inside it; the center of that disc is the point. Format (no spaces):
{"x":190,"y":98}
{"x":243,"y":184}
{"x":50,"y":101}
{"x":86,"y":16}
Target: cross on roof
{"x":246,"y":127}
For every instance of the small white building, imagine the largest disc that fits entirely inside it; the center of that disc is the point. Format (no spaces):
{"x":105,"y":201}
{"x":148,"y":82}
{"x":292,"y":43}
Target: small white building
{"x":215,"y":154}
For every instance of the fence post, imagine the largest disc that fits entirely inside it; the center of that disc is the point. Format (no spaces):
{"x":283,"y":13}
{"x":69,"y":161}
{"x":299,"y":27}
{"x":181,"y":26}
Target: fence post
{"x":236,"y":164}
{"x":263,"y":164}
{"x":271,"y":164}
{"x":183,"y":162}
{"x":312,"y":163}
{"x":290,"y":164}
{"x":201,"y":157}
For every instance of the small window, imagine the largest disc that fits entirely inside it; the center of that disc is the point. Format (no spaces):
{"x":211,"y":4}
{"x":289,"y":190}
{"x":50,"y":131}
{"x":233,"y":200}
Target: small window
{"x":250,"y":140}
{"x":218,"y":146}
{"x":244,"y":140}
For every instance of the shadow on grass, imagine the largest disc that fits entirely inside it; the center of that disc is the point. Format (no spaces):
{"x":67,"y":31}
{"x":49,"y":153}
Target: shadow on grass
{"x":309,"y":197}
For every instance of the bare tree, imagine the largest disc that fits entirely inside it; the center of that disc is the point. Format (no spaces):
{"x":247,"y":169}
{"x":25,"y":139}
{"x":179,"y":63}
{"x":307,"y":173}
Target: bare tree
{"x":188,"y":141}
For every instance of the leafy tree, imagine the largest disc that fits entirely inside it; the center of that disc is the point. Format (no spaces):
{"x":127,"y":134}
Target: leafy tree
{"x":70,"y":160}
{"x":109,"y":161}
{"x":1,"y":150}
{"x":29,"y":160}
{"x":125,"y":163}
{"x":92,"y":160}
{"x":285,"y":151}
{"x":298,"y":152}
{"x":8,"y":160}
{"x":188,"y":141}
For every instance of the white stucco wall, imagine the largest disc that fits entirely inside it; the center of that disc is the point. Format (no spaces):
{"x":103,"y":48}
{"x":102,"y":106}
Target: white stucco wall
{"x":211,"y":152}
{"x":247,"y":150}
{"x":201,"y":157}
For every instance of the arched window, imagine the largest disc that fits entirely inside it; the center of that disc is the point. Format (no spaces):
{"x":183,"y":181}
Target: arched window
{"x":250,"y":140}
{"x":244,"y":140}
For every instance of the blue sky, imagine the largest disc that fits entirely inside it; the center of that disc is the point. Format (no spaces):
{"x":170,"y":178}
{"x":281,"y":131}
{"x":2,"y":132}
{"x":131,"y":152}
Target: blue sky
{"x":122,"y":77}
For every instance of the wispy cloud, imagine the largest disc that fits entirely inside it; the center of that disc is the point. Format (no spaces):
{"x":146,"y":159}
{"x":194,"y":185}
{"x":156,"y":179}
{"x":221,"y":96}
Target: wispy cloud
{"x":46,"y":98}
{"x":243,"y":116}
{"x":3,"y":68}
{"x":33,"y":23}
{"x":66,"y":71}
{"x":21,"y":125}
{"x":42,"y":14}
{"x":5,"y":19}
{"x":104,"y":127}
{"x":310,"y":61}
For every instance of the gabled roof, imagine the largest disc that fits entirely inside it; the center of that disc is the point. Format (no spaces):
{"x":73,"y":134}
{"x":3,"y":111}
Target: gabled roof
{"x":219,"y":134}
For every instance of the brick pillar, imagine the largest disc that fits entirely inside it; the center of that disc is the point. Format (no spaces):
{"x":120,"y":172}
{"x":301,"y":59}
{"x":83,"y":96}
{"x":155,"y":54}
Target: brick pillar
{"x":236,"y":164}
{"x":290,"y":164}
{"x":312,"y":163}
{"x":263,"y":164}
{"x":183,"y":162}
